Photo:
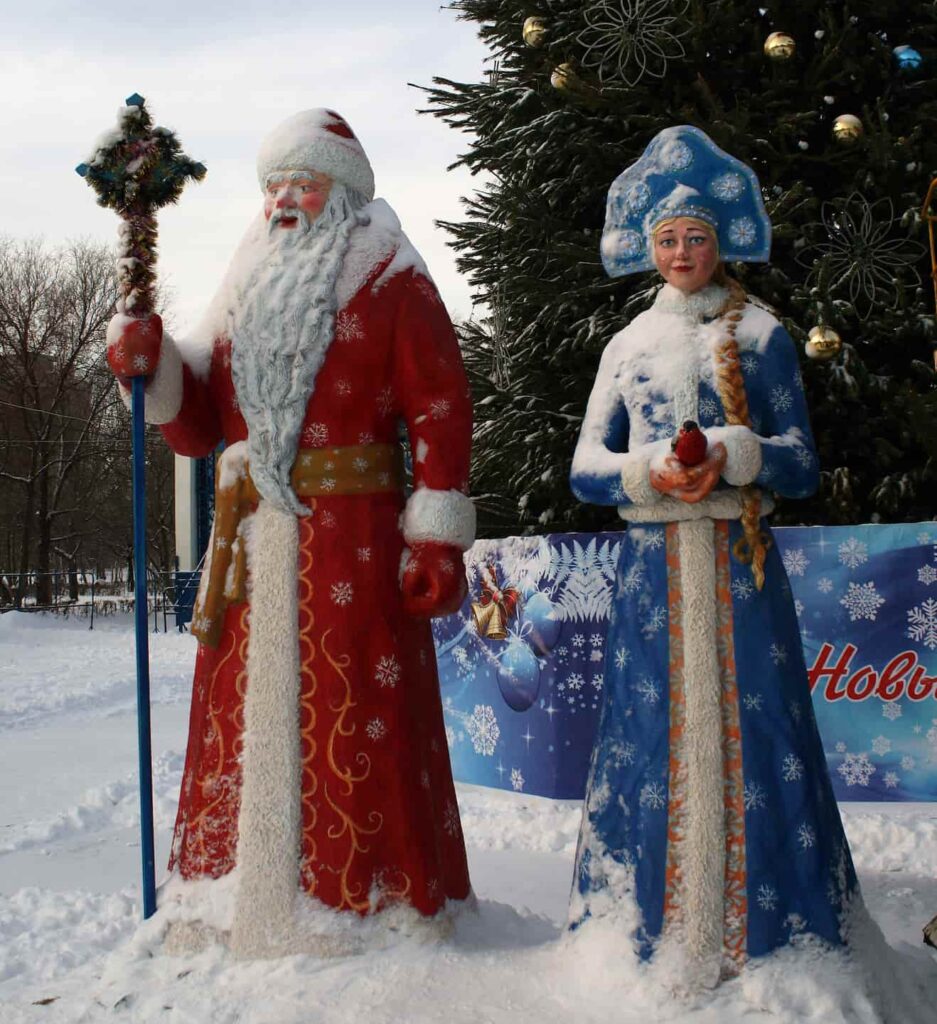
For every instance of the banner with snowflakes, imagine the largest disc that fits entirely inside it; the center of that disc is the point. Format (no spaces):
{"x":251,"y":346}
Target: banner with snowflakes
{"x":521,"y":663}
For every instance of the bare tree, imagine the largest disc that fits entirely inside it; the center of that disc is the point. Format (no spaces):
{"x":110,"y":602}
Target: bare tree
{"x":58,"y":403}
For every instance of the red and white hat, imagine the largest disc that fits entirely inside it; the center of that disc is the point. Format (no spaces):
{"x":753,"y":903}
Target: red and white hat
{"x":316,"y":140}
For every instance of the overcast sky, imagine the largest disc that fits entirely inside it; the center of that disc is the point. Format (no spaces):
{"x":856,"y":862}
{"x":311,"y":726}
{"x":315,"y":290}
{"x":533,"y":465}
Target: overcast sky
{"x":222,"y":74}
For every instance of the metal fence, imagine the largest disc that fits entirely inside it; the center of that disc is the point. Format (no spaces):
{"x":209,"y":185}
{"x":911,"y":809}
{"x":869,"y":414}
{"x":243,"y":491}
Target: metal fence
{"x":170,"y":595}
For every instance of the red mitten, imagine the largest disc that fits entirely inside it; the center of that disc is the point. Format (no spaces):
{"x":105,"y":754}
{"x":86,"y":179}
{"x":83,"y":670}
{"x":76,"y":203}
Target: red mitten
{"x":433,"y":581}
{"x":133,"y":346}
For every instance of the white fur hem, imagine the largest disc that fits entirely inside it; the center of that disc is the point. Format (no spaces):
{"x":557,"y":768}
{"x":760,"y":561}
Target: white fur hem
{"x":164,"y":391}
{"x":717,"y":505}
{"x":636,"y":480}
{"x":704,"y":850}
{"x":443,"y":517}
{"x":743,"y":450}
{"x":269,"y":822}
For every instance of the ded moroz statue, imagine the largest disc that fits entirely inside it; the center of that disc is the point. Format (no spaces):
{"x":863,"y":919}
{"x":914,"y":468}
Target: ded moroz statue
{"x":317,"y":811}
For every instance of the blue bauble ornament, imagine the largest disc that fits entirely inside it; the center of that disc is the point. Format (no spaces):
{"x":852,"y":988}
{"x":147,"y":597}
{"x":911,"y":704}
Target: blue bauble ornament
{"x":907,"y":58}
{"x":518,"y":675}
{"x":541,"y":615}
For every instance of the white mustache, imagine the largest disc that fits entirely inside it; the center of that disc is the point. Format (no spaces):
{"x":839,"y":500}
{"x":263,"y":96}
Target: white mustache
{"x":293,"y":213}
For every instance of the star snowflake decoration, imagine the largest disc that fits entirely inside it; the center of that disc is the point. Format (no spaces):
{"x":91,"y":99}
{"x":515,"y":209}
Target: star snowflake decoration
{"x":633,"y":39}
{"x":653,"y":796}
{"x":792,"y":768}
{"x":891,"y":780}
{"x":754,"y":796}
{"x":767,"y":897}
{"x":927,"y":575}
{"x":806,"y":836}
{"x":517,"y":780}
{"x":865,"y":259}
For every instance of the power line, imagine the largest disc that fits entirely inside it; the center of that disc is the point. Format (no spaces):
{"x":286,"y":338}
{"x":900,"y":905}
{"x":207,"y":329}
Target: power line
{"x":46,"y":412}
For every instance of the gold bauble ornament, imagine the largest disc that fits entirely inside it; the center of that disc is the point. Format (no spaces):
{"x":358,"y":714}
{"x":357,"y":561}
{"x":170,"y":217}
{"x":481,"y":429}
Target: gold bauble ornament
{"x":823,"y":344}
{"x":535,"y":31}
{"x":848,"y":129}
{"x":565,"y":79}
{"x":780,"y":46}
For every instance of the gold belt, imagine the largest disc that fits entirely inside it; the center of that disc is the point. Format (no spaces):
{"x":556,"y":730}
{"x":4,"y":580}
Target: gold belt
{"x":317,"y":472}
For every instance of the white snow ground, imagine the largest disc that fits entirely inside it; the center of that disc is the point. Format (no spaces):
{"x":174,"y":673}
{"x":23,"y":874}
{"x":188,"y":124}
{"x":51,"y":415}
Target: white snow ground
{"x":72,"y":948}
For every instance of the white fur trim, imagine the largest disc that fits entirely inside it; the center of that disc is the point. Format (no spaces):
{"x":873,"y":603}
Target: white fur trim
{"x":743,"y":451}
{"x":635,"y":478}
{"x":269,"y":822}
{"x":303,"y":142}
{"x":164,"y":389}
{"x":717,"y":505}
{"x":695,"y":306}
{"x":704,"y":846}
{"x":445,"y":517}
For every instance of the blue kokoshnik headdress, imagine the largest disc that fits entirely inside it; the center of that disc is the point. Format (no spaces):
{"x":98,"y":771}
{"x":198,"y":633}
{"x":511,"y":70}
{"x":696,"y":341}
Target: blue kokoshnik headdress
{"x":683,"y":173}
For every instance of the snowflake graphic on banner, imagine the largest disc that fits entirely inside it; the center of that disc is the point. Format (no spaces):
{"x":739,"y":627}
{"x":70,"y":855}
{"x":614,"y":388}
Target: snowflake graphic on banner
{"x":856,"y":769}
{"x":853,"y":552}
{"x":891,"y":710}
{"x":866,"y":261}
{"x":483,"y":730}
{"x":922,"y":623}
{"x":891,"y":780}
{"x":881,"y":745}
{"x":795,"y":561}
{"x":582,"y":578}
{"x":517,"y":780}
{"x":927,"y":575}
{"x":862,"y":601}
{"x":633,"y":38}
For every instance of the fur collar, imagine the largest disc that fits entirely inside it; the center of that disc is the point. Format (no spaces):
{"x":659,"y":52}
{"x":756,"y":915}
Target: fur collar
{"x":699,"y":305}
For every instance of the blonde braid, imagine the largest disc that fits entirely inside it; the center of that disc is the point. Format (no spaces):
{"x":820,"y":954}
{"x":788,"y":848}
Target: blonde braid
{"x":735,"y":402}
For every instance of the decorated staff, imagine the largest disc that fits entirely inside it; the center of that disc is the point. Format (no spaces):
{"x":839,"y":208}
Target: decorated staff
{"x":135,"y":169}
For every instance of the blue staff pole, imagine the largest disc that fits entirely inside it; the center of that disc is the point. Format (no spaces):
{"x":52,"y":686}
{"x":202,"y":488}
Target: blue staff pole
{"x":141,"y":620}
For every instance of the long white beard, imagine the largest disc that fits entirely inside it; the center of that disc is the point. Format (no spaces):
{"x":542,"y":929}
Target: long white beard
{"x":282,"y":325}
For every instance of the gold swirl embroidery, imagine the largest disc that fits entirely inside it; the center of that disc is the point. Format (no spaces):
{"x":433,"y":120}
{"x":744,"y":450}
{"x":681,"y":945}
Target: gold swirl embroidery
{"x":209,"y":781}
{"x":353,"y":896}
{"x":340,"y":728}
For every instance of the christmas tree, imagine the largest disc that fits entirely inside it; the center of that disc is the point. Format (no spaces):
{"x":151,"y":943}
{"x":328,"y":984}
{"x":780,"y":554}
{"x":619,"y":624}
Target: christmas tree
{"x":832,"y":103}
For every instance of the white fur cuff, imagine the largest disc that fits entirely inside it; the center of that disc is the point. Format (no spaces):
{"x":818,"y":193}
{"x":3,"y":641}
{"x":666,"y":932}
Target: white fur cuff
{"x":164,"y":390}
{"x":743,"y":450}
{"x":444,"y":517}
{"x":636,"y":480}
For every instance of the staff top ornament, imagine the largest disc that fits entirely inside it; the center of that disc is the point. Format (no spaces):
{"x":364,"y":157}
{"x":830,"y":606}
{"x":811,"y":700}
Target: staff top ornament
{"x":136,"y":168}
{"x":683,"y":173}
{"x":138,"y":164}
